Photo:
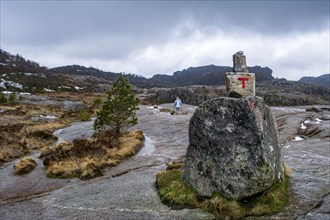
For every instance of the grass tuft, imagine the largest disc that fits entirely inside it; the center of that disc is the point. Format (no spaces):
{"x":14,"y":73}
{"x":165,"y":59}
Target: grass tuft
{"x":26,"y":165}
{"x":174,"y":192}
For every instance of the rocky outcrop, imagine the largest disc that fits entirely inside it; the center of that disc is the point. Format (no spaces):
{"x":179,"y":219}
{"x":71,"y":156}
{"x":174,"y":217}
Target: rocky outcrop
{"x":278,"y":92}
{"x":323,"y":80}
{"x":233,"y":148}
{"x":193,"y":95}
{"x":71,"y":106}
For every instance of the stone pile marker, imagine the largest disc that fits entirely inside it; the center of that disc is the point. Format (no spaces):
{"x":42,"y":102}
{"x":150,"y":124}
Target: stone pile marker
{"x":240,"y":82}
{"x":233,"y":142}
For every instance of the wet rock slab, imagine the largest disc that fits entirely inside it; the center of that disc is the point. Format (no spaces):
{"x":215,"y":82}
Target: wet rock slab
{"x":129,"y":192}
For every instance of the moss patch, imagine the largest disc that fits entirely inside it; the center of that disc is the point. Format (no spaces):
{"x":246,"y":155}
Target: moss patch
{"x":177,"y":194}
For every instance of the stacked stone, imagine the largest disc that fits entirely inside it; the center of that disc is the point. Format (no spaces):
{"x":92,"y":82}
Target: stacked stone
{"x":233,"y":142}
{"x":240,"y":82}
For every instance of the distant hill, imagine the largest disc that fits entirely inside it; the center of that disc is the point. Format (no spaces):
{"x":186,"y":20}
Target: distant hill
{"x":136,"y":80}
{"x":209,"y":75}
{"x":18,"y":74}
{"x":323,"y":80}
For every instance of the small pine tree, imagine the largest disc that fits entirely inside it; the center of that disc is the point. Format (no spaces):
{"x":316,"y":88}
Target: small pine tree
{"x":119,"y":110}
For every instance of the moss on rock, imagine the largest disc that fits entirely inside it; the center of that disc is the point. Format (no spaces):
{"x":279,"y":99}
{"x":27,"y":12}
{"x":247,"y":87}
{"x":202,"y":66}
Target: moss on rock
{"x":174,"y":192}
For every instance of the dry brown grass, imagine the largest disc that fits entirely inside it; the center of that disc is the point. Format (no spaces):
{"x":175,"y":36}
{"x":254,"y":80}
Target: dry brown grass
{"x":287,"y":170}
{"x":19,"y":134}
{"x":86,"y":158}
{"x":26,"y":165}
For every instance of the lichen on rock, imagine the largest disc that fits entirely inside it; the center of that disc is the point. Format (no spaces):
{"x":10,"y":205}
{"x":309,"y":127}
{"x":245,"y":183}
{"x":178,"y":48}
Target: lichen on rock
{"x":233,"y":148}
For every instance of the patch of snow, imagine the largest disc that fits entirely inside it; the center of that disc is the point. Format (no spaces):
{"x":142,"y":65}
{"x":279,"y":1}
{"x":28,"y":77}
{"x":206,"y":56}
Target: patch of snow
{"x":25,"y":93}
{"x":78,"y":88}
{"x":302,"y":126}
{"x":50,"y":117}
{"x":1,"y":110}
{"x":307,"y":121}
{"x":49,"y":90}
{"x":154,"y":107}
{"x":4,"y":64}
{"x":6,"y":92}
{"x":2,"y":85}
{"x":5,"y":74}
{"x":13,"y":84}
{"x":318,"y":121}
{"x":298,"y":138}
{"x":64,"y":87}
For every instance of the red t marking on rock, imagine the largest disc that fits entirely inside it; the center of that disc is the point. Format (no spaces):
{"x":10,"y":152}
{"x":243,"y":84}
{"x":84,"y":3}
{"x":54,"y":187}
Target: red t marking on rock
{"x":243,"y":81}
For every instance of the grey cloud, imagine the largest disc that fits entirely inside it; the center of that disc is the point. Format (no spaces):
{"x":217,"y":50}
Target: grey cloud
{"x":114,"y":31}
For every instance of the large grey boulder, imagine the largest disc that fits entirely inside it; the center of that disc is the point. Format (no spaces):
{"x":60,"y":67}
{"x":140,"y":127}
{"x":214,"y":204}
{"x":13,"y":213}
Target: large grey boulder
{"x":72,"y":106}
{"x":233,"y":148}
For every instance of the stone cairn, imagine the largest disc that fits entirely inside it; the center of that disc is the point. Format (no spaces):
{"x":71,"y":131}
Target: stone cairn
{"x":233,"y":142}
{"x":240,"y":82}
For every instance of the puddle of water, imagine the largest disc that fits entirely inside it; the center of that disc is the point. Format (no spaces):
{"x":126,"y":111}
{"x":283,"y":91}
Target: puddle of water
{"x":289,"y":109}
{"x":75,"y":131}
{"x":147,"y":149}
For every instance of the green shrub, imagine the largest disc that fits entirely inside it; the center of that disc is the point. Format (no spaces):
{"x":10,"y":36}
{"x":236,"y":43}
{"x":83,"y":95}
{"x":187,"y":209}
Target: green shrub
{"x":84,"y":115}
{"x":97,"y":103}
{"x":3,"y":99}
{"x":12,"y":98}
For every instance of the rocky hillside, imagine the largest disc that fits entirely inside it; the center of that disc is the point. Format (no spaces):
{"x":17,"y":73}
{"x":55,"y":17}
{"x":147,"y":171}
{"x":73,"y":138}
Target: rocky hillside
{"x":209,"y":75}
{"x":18,"y":74}
{"x":275,"y":93}
{"x":323,"y":80}
{"x":78,"y":70}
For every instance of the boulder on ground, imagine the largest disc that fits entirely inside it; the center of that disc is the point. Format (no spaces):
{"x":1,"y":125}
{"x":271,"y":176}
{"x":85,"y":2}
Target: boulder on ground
{"x":71,"y":106}
{"x":233,"y":148}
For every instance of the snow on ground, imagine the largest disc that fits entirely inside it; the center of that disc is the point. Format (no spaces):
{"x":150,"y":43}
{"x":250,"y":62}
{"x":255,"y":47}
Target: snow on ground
{"x":10,"y":83}
{"x":64,"y":87}
{"x":49,"y":90}
{"x":298,"y":138}
{"x":2,"y":85}
{"x":303,"y":127}
{"x":25,"y":93}
{"x":6,"y":92}
{"x":78,"y":88}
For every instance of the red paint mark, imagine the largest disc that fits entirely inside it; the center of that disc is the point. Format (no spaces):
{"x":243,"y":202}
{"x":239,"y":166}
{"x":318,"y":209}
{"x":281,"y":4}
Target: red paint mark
{"x":252,"y":103}
{"x":243,"y":81}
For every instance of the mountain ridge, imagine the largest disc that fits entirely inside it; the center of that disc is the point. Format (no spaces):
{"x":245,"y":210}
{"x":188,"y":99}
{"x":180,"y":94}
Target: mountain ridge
{"x":54,"y":77}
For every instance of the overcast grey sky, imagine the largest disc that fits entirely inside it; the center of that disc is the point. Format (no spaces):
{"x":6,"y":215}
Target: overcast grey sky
{"x":160,"y":37}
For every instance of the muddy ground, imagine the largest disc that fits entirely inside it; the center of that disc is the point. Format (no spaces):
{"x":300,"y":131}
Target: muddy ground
{"x":128,"y":191}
